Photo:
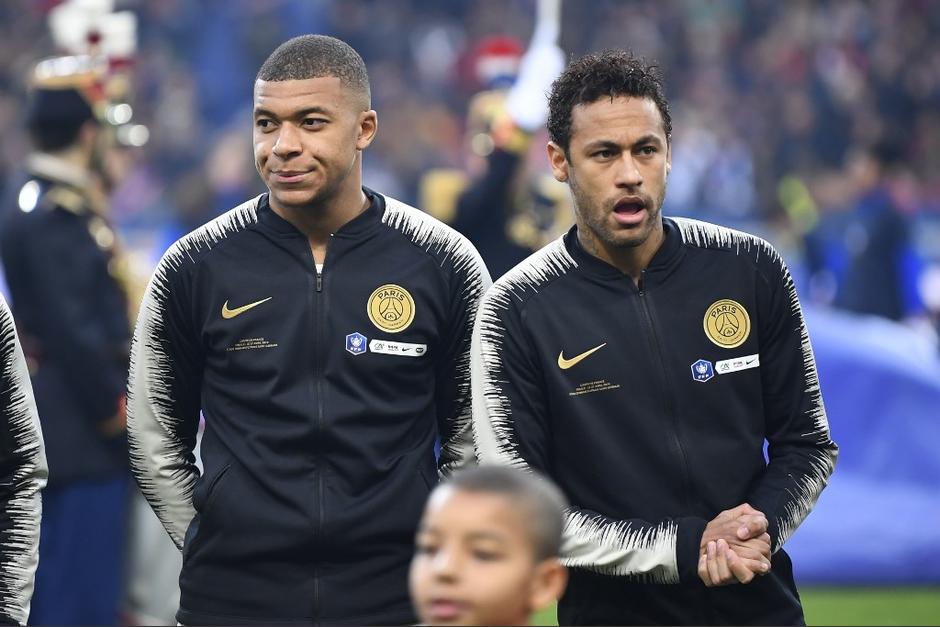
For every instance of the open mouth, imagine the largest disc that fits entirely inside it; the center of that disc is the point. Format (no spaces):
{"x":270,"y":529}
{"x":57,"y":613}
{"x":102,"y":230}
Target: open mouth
{"x":629,"y":211}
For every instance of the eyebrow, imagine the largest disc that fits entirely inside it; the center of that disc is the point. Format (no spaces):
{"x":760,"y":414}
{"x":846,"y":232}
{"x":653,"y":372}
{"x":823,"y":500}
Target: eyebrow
{"x":647,"y":139}
{"x":476,"y":535}
{"x":262,"y":112}
{"x":488,"y":535}
{"x":601,"y":143}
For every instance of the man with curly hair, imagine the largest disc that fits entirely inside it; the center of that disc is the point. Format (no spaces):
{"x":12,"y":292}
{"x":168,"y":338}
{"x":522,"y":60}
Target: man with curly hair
{"x":642,"y":362}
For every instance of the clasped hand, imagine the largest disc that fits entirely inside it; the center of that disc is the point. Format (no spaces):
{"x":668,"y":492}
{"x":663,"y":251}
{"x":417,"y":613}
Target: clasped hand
{"x":735,"y":547}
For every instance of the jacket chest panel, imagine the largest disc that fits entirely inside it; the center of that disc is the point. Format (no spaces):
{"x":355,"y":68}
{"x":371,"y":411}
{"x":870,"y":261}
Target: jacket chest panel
{"x":364,"y":318}
{"x":625,"y":353}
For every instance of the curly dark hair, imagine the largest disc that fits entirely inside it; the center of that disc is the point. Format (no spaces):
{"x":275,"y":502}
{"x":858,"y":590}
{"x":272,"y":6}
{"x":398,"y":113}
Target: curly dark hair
{"x":316,"y":56}
{"x":610,"y":74}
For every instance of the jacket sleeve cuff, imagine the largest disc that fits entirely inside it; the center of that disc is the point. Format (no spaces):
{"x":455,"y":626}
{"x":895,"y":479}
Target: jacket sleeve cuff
{"x":773,"y":522}
{"x":688,"y":541}
{"x":773,"y":529}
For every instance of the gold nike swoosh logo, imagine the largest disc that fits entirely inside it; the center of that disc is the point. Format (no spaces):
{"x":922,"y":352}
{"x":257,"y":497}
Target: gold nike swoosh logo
{"x":564,"y":364}
{"x":231,"y":313}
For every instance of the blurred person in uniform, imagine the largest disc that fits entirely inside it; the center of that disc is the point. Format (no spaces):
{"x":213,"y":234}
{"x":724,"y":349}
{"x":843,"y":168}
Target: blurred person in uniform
{"x":68,"y":283}
{"x":487,"y":549}
{"x":23,"y":474}
{"x":504,"y":203}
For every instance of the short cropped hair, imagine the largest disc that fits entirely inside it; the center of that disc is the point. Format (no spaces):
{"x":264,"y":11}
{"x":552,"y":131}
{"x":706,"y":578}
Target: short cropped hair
{"x":316,"y":56}
{"x":610,"y":74}
{"x":542,"y":503}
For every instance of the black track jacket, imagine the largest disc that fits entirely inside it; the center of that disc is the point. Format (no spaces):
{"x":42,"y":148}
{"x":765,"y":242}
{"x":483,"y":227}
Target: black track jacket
{"x":650,"y":407}
{"x":322,"y":393}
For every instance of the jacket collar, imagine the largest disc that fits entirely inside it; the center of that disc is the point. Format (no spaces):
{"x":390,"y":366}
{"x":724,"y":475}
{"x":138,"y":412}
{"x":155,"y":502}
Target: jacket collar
{"x":362,"y":224}
{"x":664,"y":261}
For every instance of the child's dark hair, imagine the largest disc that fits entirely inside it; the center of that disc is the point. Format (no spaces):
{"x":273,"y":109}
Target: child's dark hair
{"x":542,"y":503}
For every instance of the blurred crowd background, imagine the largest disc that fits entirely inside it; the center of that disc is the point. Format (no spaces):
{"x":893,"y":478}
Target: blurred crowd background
{"x":778,"y":107}
{"x":813,"y":124}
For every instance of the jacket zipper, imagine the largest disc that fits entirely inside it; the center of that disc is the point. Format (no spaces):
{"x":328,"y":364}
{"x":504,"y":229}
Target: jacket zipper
{"x":319,"y":314}
{"x":668,"y":405}
{"x":704,"y":610}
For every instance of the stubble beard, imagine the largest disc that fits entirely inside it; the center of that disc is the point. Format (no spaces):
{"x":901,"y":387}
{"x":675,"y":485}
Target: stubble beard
{"x":594,"y":228}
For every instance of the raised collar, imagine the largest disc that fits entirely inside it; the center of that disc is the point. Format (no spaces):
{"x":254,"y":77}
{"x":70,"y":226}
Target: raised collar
{"x":664,"y":261}
{"x":363,"y":223}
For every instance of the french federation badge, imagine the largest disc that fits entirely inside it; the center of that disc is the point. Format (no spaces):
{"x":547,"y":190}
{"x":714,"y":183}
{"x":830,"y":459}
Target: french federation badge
{"x":356,"y":343}
{"x":702,"y":370}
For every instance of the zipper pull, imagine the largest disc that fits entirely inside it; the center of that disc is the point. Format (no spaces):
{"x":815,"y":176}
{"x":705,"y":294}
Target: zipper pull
{"x":319,"y":281}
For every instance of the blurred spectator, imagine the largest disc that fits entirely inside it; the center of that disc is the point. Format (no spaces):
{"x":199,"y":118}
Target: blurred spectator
{"x":503,"y":206}
{"x":877,"y":240}
{"x":808,"y":83}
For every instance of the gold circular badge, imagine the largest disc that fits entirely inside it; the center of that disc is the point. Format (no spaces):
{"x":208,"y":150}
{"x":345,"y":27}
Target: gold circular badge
{"x":727,"y":323}
{"x":391,"y":308}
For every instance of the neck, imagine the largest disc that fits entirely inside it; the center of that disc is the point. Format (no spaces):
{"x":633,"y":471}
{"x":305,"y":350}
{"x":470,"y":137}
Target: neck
{"x":322,"y":218}
{"x":631,"y":260}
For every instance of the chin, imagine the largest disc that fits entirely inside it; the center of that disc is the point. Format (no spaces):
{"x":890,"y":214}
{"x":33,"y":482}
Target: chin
{"x":294,"y":198}
{"x":623,"y":238}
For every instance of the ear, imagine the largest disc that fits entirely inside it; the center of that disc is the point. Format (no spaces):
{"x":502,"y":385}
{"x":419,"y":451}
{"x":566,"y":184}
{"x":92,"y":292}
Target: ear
{"x":548,"y":584}
{"x":668,"y":158}
{"x":368,"y":126}
{"x":558,"y":161}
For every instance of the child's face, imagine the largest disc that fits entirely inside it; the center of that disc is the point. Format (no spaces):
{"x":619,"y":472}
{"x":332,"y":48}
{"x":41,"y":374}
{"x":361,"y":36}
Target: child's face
{"x":474,"y":563}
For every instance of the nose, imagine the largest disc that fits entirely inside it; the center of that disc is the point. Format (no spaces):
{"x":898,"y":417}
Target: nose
{"x":446,"y":565}
{"x":288,"y":142}
{"x":628,"y":173}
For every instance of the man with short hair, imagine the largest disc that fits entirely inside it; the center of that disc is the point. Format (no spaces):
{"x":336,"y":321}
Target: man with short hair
{"x":323,"y":330}
{"x":642,"y":362}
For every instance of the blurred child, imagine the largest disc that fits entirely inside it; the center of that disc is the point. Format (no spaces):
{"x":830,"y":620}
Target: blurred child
{"x":487,"y":549}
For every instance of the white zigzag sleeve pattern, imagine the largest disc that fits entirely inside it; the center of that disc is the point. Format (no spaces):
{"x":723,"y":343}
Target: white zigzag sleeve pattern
{"x":457,"y":256}
{"x":798,"y":498}
{"x":24,"y":476}
{"x":591,"y":541}
{"x":161,"y":459}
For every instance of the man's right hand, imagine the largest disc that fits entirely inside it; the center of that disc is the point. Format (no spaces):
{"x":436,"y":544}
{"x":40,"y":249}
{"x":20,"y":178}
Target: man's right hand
{"x":735,"y":526}
{"x":735,"y":546}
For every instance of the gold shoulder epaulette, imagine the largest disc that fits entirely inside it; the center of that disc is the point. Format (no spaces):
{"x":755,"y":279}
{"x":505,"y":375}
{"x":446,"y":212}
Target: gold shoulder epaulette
{"x":66,"y":197}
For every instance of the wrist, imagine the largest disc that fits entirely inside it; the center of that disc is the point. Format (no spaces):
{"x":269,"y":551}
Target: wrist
{"x":688,"y":541}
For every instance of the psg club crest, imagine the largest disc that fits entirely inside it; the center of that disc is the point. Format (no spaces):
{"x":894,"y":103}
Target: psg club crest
{"x":702,"y":370}
{"x":356,"y":343}
{"x":391,"y":308}
{"x":727,"y":323}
